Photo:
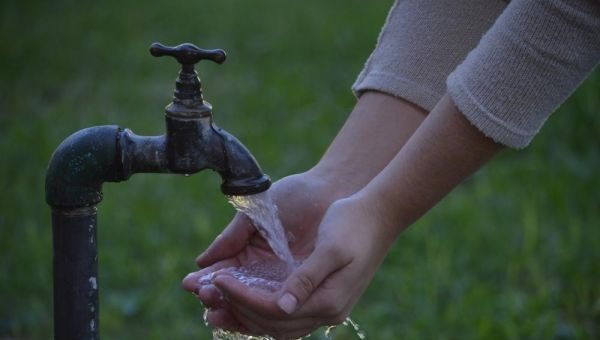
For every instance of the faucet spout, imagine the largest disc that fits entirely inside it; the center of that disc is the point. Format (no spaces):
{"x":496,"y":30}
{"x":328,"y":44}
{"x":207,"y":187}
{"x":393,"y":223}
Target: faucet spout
{"x":241,"y":173}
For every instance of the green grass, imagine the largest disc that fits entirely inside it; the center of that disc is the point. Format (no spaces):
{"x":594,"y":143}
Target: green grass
{"x":512,"y":253}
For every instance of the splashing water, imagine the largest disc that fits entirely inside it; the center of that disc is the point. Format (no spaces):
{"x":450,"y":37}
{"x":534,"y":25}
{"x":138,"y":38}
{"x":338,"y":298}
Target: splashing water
{"x":329,"y":331}
{"x":262,"y":211}
{"x":268,"y":276}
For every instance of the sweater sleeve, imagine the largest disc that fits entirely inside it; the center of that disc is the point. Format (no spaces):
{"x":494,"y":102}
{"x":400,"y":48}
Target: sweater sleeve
{"x":525,"y":66}
{"x":421,"y":42}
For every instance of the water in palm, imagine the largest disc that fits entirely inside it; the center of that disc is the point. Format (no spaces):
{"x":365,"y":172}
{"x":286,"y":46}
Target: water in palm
{"x":269,"y":276}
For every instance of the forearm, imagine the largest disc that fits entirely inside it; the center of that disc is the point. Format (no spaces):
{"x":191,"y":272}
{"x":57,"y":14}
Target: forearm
{"x":442,"y":152}
{"x":375,"y":131}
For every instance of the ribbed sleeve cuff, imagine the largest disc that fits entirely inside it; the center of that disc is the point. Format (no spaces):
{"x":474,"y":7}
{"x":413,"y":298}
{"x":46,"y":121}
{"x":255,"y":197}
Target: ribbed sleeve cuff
{"x":484,"y":120}
{"x":420,"y":44}
{"x":396,"y":86}
{"x":525,"y":66}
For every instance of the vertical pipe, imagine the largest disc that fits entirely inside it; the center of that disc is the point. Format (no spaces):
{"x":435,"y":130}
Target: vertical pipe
{"x":75,"y":259}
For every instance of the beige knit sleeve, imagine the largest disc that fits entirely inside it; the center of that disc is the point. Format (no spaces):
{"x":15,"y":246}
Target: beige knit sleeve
{"x":526,"y":65}
{"x":423,"y":41}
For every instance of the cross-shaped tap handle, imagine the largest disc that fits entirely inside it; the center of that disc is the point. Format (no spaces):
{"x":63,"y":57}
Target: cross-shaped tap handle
{"x":187,"y":54}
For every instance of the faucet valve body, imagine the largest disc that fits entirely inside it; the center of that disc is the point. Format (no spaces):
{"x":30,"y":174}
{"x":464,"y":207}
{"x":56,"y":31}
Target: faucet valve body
{"x":187,"y":98}
{"x":193,"y":141}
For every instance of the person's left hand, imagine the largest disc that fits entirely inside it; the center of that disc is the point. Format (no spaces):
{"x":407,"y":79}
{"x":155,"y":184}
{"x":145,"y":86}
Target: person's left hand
{"x":301,"y":200}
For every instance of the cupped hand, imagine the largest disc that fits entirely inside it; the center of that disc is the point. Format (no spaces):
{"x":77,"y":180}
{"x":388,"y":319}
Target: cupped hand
{"x":350,"y":244}
{"x":301,"y":200}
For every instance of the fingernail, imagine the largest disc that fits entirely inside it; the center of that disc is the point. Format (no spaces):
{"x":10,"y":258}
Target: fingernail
{"x":189,"y":276}
{"x":288,"y":303}
{"x":199,"y":289}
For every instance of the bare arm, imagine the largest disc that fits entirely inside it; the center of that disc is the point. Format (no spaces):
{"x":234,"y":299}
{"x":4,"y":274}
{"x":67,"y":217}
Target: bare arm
{"x":375,"y":131}
{"x":444,"y":150}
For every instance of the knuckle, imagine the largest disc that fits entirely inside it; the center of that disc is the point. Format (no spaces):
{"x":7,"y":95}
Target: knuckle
{"x":303,"y":285}
{"x":336,"y":253}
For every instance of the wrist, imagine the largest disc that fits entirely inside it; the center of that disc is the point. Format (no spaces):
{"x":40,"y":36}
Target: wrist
{"x":327,"y":187}
{"x":388,"y":212}
{"x":361,"y":216}
{"x":309,"y":186}
{"x":339,"y":181}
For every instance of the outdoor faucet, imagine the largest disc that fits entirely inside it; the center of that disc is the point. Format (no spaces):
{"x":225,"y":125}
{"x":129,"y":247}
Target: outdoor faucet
{"x":88,"y":158}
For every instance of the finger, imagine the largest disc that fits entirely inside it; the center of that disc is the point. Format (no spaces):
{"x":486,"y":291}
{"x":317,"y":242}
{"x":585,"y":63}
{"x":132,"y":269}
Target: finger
{"x":260,"y":301}
{"x":257,"y":309}
{"x":259,"y":242}
{"x":195,"y":279}
{"x":296,"y":289}
{"x":230,"y":242}
{"x":285,"y":328}
{"x":303,"y":281}
{"x":224,"y":319}
{"x":251,"y":327}
{"x":210,"y":296}
{"x":279,"y":329}
{"x":334,"y":298}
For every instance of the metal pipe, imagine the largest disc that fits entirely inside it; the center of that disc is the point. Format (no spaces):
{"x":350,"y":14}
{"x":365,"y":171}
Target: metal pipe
{"x":75,"y":260}
{"x":88,"y":158}
{"x":77,"y":170}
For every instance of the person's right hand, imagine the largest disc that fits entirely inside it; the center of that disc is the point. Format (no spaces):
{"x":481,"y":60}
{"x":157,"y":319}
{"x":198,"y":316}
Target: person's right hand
{"x":352,"y":240}
{"x":301,"y":200}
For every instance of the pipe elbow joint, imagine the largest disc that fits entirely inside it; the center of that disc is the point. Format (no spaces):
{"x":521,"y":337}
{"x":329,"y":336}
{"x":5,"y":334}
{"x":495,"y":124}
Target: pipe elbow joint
{"x":81,"y":164}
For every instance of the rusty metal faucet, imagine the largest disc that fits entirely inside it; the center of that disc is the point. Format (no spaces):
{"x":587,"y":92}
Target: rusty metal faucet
{"x":88,"y":158}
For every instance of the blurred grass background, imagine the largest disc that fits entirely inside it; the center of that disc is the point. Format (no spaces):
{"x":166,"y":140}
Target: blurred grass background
{"x":512,"y":253}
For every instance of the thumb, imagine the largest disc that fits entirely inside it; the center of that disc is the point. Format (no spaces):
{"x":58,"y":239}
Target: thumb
{"x":306,"y":279}
{"x":230,"y":242}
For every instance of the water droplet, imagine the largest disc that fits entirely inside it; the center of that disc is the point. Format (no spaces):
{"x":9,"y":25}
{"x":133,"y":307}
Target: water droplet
{"x":93,"y":282}
{"x":329,"y":332}
{"x":205,"y":317}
